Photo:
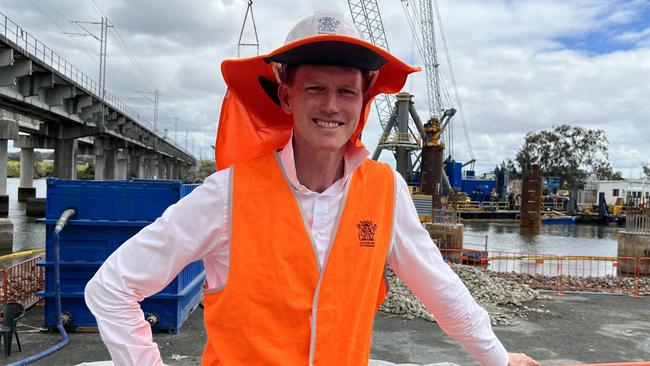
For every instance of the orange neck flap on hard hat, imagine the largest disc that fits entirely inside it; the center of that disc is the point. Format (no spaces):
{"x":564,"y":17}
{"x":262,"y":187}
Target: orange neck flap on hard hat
{"x":251,"y":124}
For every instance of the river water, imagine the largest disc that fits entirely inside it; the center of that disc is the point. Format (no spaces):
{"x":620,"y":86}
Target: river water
{"x":28,"y":233}
{"x":574,"y":240}
{"x":589,"y":240}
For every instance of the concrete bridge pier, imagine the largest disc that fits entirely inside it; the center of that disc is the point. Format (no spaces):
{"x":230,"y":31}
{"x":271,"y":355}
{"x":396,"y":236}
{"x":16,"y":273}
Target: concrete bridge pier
{"x":26,"y":189}
{"x":8,"y":131}
{"x":146,"y":168}
{"x":122,"y":164}
{"x":169,"y":169}
{"x":105,"y":162}
{"x":110,"y":164}
{"x":182,"y":171}
{"x":4,"y":198}
{"x":65,"y":159}
{"x":149,"y":166}
{"x":175,"y":170}
{"x":155,"y":166}
{"x":160,"y":167}
{"x":136,"y":169}
{"x":100,"y":163}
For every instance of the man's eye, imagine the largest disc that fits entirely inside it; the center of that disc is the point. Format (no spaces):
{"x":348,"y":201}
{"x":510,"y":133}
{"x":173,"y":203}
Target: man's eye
{"x":347,"y":92}
{"x":314,"y":89}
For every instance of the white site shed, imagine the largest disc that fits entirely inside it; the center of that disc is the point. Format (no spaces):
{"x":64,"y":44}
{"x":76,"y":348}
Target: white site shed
{"x":629,"y":191}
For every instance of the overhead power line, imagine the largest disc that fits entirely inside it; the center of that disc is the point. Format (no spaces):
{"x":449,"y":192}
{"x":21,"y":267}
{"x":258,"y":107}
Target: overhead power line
{"x":122,"y":43}
{"x":83,"y":46}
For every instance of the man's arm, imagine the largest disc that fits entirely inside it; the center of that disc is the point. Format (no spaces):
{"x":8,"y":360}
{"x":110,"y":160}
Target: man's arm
{"x":147,"y":262}
{"x":417,"y":261}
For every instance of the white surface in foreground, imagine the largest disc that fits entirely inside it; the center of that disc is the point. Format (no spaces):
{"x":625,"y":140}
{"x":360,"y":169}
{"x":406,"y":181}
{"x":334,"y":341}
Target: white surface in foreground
{"x":370,"y":363}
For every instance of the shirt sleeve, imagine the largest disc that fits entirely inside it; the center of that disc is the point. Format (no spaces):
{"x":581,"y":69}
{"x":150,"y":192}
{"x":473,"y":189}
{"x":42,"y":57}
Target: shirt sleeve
{"x":418,"y":262}
{"x":147,"y":262}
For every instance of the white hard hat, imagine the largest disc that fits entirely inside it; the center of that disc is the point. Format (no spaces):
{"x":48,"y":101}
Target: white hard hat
{"x":331,"y":52}
{"x":323,"y":22}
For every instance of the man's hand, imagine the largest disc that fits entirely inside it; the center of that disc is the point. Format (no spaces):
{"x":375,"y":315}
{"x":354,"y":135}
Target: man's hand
{"x":520,"y":359}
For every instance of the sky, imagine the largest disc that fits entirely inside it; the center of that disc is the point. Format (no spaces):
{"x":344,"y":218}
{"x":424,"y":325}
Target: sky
{"x":519,"y":66}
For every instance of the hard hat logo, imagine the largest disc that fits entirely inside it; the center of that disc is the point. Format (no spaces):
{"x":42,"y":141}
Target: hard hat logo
{"x":327,"y":25}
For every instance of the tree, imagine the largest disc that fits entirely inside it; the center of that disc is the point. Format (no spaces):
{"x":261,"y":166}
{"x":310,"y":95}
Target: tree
{"x":511,"y":168}
{"x":646,"y":169}
{"x":568,"y":152}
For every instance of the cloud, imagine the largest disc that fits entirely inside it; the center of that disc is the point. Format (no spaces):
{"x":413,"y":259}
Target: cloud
{"x":640,"y":38}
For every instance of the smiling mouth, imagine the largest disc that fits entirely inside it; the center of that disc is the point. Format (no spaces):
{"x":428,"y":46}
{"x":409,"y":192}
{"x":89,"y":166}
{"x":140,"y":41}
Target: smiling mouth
{"x":327,"y":123}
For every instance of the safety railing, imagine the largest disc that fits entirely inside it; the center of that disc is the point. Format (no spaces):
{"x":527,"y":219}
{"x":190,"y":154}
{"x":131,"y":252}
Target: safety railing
{"x":469,"y":205}
{"x":624,"y":275}
{"x":445,"y":216}
{"x":495,"y":205}
{"x":16,"y":34}
{"x":400,"y":138}
{"x":21,"y":281}
{"x":556,"y":205}
{"x":638,"y":224}
{"x":474,"y":241}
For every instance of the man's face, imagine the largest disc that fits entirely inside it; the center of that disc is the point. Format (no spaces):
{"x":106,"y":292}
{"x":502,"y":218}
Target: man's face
{"x":326,"y":103}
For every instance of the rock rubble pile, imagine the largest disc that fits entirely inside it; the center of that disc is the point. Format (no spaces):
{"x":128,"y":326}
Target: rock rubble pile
{"x":506,"y":300}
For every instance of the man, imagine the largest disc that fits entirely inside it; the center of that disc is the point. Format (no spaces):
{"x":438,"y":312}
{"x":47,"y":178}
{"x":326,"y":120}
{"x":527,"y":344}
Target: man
{"x":297,"y":226}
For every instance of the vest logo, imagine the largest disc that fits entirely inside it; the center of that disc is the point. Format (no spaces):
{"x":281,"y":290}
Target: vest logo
{"x":327,"y":24}
{"x":367,"y":230}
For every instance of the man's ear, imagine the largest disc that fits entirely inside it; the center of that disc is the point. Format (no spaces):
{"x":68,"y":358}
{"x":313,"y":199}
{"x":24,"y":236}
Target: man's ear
{"x":283,"y":96}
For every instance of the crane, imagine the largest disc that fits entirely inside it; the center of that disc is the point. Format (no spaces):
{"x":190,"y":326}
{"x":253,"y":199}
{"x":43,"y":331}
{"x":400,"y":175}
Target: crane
{"x":421,"y":21}
{"x":422,"y":152}
{"x":398,"y":132}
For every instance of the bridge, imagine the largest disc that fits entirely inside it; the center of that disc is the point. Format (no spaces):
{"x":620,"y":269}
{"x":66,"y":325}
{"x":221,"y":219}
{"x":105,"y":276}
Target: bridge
{"x":47,"y":103}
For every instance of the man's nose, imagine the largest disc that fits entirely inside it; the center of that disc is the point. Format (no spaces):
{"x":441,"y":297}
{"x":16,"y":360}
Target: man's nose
{"x":330,"y":103}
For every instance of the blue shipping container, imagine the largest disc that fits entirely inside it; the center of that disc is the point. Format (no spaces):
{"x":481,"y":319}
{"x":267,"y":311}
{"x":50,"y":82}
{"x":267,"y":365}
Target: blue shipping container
{"x":107,"y":214}
{"x":111,"y":200}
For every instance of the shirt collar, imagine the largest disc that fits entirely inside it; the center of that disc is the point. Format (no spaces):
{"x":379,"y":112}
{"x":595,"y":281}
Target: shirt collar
{"x":352,"y":158}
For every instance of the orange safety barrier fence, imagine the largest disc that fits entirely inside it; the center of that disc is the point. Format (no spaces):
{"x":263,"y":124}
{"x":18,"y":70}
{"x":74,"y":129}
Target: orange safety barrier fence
{"x":536,"y":270}
{"x":599,"y":274}
{"x":625,"y":275}
{"x":21,"y":281}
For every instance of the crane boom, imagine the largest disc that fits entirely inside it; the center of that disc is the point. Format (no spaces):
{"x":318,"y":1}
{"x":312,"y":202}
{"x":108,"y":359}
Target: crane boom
{"x":366,"y":16}
{"x":420,"y":17}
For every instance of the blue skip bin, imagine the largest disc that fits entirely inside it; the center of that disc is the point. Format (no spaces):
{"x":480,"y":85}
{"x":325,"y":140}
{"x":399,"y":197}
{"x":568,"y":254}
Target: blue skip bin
{"x":107,"y":214}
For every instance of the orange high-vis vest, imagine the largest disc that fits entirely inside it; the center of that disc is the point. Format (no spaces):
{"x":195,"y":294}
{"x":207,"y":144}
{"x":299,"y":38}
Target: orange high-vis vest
{"x":279,"y":307}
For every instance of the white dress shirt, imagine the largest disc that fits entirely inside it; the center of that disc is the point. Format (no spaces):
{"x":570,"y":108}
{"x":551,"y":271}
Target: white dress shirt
{"x":197,"y":228}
